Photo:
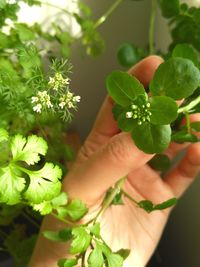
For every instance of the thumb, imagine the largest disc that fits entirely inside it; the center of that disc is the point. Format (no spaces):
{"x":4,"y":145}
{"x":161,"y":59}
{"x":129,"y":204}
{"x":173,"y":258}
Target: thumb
{"x":90,"y":180}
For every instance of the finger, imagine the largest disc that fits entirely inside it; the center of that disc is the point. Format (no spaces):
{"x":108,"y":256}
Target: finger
{"x":90,"y":180}
{"x":105,"y":126}
{"x":181,"y":177}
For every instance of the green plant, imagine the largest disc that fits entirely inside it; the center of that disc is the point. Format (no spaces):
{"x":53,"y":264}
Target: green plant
{"x":35,"y":102}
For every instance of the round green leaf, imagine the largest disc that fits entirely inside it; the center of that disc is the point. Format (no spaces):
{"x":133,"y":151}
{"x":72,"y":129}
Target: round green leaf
{"x":186,"y":51}
{"x":123,"y":88}
{"x":183,"y":136}
{"x":160,"y":162}
{"x":151,"y":138}
{"x":125,"y":124}
{"x":163,"y":110}
{"x":128,"y":55}
{"x":169,"y":8}
{"x":177,"y":78}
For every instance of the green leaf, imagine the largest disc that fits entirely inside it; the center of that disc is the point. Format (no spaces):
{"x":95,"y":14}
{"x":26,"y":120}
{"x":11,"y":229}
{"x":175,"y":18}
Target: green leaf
{"x":45,"y":182}
{"x":160,"y":162}
{"x":67,"y":262}
{"x":81,"y":240}
{"x":195,"y":126}
{"x":28,"y":150}
{"x":95,"y":229}
{"x":166,"y":204}
{"x":63,"y":235}
{"x":186,"y":51}
{"x":124,"y":253}
{"x":128,"y":55}
{"x":117,"y":110}
{"x":114,"y":260}
{"x":177,"y":78}
{"x":169,"y":8}
{"x":183,"y":136}
{"x":3,"y":135}
{"x":151,"y":138}
{"x":124,"y":123}
{"x":11,"y":185}
{"x":95,"y":258}
{"x":123,"y":88}
{"x":163,"y":110}
{"x":147,"y":205}
{"x":25,"y":33}
{"x":117,"y":200}
{"x":76,"y":209}
{"x":60,"y":200}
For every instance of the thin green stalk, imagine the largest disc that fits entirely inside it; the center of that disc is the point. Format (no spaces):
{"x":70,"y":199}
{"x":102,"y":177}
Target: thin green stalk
{"x":188,"y":122}
{"x":110,"y":198}
{"x":61,"y":219}
{"x":190,"y":106}
{"x":103,"y":18}
{"x":128,"y":196}
{"x":28,"y":217}
{"x":152,"y":26}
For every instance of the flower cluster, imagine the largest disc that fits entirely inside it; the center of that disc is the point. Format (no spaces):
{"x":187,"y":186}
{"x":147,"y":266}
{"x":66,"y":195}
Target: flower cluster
{"x":42,"y":100}
{"x":139,"y":113}
{"x":58,"y":81}
{"x":69,"y":100}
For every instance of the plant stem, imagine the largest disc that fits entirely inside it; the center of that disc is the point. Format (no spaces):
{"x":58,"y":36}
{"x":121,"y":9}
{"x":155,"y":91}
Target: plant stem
{"x":152,"y":26}
{"x":61,"y":219}
{"x":110,"y":198}
{"x":28,"y":217}
{"x":128,"y":196}
{"x":191,"y":105}
{"x":103,"y":18}
{"x":188,"y":122}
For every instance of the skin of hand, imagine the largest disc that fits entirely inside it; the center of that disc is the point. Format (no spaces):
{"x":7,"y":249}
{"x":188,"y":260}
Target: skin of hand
{"x":106,"y":156}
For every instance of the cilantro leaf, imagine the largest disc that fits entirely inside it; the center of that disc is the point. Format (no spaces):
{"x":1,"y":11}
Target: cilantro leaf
{"x":81,"y":240}
{"x":11,"y":185}
{"x":95,"y":258}
{"x":44,"y":184}
{"x":29,"y":149}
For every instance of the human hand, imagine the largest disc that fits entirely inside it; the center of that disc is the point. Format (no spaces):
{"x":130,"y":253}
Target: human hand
{"x":106,"y":156}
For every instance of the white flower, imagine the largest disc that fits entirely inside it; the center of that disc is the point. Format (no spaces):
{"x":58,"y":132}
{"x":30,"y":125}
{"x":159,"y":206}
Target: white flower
{"x":77,"y":98}
{"x":37,"y":108}
{"x":58,"y":81}
{"x":62,"y":104}
{"x":34,"y":99}
{"x":129,"y":114}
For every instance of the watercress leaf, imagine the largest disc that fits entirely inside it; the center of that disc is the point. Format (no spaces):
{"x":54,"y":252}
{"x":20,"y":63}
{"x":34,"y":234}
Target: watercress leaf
{"x":195,"y":126}
{"x":45,"y":182}
{"x":177,"y":78}
{"x":151,"y":138}
{"x":147,"y":205}
{"x":28,"y":150}
{"x":160,"y":162}
{"x":95,"y":229}
{"x":124,"y":253}
{"x":81,"y":240}
{"x":183,"y":136}
{"x":125,"y":124}
{"x":169,"y":8}
{"x":186,"y":51}
{"x":117,"y":110}
{"x":163,"y":110}
{"x":114,"y":260}
{"x":11,"y":185}
{"x":3,"y":135}
{"x":95,"y":258}
{"x":166,"y":204}
{"x":67,"y":262}
{"x":123,"y":87}
{"x":128,"y":55}
{"x":76,"y":209}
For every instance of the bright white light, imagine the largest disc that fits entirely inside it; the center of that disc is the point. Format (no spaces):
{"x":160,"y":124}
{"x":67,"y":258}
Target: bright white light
{"x":47,"y":14}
